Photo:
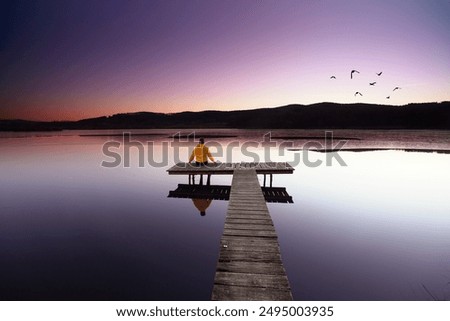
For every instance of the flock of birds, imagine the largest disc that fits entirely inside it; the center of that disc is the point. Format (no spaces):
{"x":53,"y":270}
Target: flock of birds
{"x":370,"y":83}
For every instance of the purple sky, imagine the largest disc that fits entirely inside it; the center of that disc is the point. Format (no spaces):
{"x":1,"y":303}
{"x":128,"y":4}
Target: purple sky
{"x":78,"y":59}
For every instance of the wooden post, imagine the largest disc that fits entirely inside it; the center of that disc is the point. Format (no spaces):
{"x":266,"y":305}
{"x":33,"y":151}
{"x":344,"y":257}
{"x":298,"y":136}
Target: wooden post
{"x":271,"y":178}
{"x":193,"y":179}
{"x":189,"y":179}
{"x":208,"y":182}
{"x":264,"y":180}
{"x":201,"y":179}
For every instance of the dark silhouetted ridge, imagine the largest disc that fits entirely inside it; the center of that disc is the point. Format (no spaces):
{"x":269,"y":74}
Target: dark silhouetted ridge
{"x":323,"y":116}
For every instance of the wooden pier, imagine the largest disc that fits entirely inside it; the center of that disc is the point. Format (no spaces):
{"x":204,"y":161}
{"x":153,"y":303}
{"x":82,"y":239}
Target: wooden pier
{"x":249,"y":265}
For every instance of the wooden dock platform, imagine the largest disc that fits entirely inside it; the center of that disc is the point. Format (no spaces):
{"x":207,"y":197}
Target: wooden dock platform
{"x":228,"y":168}
{"x":249,"y":265}
{"x":268,"y":168}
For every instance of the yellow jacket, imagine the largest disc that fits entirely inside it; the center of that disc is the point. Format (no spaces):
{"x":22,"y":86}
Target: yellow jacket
{"x":201,"y":154}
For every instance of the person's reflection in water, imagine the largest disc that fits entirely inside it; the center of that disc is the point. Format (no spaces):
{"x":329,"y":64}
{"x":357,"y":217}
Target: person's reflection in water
{"x":201,"y":204}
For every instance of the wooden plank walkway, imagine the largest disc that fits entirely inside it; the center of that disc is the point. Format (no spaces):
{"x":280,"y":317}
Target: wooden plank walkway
{"x":228,"y":168}
{"x":249,"y":265}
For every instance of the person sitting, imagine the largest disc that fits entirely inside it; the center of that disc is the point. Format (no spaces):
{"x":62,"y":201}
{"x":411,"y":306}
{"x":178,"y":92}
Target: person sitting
{"x":201,"y":154}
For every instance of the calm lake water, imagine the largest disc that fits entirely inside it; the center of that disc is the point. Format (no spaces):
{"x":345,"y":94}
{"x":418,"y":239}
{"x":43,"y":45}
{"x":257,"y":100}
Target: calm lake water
{"x":70,"y":229}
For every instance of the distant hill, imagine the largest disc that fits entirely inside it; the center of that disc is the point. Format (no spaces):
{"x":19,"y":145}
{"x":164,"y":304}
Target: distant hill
{"x":320,"y":116}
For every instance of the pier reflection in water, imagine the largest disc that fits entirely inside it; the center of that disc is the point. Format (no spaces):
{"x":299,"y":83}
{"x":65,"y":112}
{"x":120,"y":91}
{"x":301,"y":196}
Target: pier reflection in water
{"x":203,"y":194}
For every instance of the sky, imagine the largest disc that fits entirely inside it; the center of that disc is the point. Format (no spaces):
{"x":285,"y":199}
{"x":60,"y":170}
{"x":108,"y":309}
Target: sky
{"x":68,"y":60}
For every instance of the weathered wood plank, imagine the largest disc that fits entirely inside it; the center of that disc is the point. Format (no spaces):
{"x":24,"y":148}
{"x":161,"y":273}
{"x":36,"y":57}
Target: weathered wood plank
{"x":254,"y":208}
{"x":238,"y":293}
{"x":249,"y":244}
{"x":242,"y":239}
{"x":235,"y":232}
{"x":253,"y":216}
{"x":252,"y":226}
{"x":246,"y":220}
{"x":247,"y":197}
{"x":249,"y":207}
{"x":271,"y":268}
{"x":233,"y":255}
{"x":254,"y":248}
{"x":249,"y":214}
{"x":252,"y":280}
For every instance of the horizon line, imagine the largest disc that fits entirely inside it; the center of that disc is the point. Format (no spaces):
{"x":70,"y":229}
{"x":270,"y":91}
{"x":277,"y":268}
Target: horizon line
{"x":222,"y":111}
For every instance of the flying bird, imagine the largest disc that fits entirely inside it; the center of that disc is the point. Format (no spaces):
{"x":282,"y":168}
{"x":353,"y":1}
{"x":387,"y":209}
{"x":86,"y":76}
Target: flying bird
{"x":353,"y":71}
{"x":388,"y":97}
{"x":396,"y":88}
{"x":372,"y":83}
{"x":332,"y":77}
{"x":358,"y":93}
{"x":379,"y":73}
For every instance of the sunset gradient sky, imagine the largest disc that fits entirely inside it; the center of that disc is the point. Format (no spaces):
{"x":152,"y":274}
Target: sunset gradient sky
{"x":67,"y":60}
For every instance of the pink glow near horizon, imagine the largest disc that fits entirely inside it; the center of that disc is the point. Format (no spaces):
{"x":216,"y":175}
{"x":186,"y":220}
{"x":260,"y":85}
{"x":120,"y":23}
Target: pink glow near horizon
{"x":211,"y":55}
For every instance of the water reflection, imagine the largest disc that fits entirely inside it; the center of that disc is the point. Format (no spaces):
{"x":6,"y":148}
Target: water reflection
{"x":378,"y":229}
{"x":202,"y":195}
{"x":201,"y":204}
